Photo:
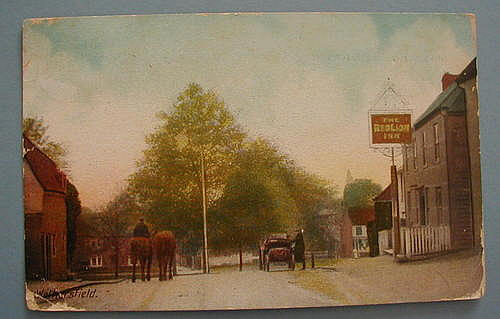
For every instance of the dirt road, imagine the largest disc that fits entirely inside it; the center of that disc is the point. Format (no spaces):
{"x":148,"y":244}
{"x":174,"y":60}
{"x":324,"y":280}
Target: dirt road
{"x":226,"y":289}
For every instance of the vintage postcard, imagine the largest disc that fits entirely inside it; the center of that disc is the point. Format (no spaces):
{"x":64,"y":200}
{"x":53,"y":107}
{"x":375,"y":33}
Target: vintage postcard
{"x":251,"y":161}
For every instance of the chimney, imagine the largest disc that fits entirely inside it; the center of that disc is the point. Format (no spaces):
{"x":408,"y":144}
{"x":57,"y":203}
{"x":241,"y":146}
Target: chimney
{"x":448,"y":79}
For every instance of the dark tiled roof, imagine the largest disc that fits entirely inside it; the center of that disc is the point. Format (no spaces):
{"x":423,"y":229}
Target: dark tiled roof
{"x":361,"y":216}
{"x":385,"y":195}
{"x":45,"y":170}
{"x":452,"y":99}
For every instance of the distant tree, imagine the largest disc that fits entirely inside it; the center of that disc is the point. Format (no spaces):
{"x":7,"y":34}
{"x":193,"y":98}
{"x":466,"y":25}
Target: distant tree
{"x":35,"y":130}
{"x":360,"y":193}
{"x":115,"y":221}
{"x":73,"y":210}
{"x":312,"y":195}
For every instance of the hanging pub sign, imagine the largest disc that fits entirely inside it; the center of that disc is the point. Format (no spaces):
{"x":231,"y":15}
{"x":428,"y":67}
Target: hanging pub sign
{"x":390,"y":128}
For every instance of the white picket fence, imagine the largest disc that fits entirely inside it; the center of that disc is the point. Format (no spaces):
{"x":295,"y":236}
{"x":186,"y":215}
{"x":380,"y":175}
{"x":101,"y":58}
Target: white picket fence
{"x":423,"y":240}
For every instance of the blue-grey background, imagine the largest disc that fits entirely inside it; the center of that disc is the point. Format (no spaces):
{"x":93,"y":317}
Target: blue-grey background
{"x":12,"y":13}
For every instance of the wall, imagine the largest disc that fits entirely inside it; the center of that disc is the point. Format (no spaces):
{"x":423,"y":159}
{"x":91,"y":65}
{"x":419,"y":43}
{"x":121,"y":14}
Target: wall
{"x":54,"y":222}
{"x":33,"y":191}
{"x":459,"y":183}
{"x":471,"y":98}
{"x":433,"y":174}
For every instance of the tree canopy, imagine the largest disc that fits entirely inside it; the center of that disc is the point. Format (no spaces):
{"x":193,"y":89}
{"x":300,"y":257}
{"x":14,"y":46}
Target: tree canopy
{"x":35,"y":130}
{"x":360,"y":193}
{"x":167,"y":183}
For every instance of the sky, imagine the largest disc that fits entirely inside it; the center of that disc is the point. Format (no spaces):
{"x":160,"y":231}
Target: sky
{"x":305,"y":81}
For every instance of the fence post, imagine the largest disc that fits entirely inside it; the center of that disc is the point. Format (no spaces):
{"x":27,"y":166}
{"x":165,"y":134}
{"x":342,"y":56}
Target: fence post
{"x":260,"y":259}
{"x":312,"y":259}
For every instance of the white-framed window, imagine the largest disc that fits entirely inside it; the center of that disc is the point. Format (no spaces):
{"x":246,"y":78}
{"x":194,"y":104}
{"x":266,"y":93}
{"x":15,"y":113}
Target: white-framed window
{"x":359,"y":231}
{"x":129,"y":260}
{"x":96,"y":261}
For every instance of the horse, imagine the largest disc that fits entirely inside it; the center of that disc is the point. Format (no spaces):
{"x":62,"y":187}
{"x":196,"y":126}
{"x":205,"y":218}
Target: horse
{"x":142,"y":250}
{"x":165,"y":246}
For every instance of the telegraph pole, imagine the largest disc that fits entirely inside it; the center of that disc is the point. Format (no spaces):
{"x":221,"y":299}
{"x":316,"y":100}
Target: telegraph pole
{"x":203,"y":191}
{"x":395,"y":207}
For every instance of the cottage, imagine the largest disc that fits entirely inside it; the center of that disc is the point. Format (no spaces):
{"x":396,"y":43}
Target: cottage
{"x":440,"y":168}
{"x":383,"y":220}
{"x":363,"y":224}
{"x":45,"y":215}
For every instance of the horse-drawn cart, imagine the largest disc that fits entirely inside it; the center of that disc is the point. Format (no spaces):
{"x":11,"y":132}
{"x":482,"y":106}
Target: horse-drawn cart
{"x":277,"y":248}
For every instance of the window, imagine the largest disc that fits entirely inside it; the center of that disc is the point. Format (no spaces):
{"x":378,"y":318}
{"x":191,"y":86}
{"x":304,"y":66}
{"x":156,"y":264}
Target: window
{"x":439,"y":205}
{"x":414,"y":147}
{"x":96,"y":243}
{"x":424,"y":157}
{"x":129,"y":260}
{"x":422,"y":209}
{"x":359,"y":231}
{"x":427,"y":206}
{"x":409,"y":203}
{"x":436,"y":142}
{"x":96,"y":261}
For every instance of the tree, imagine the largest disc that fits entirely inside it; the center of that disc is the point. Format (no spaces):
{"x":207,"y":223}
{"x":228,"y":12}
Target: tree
{"x":168,"y":182}
{"x":114,"y":222}
{"x":360,"y":193}
{"x":35,"y":130}
{"x":73,"y":210}
{"x":313,"y":195}
{"x":267,"y":193}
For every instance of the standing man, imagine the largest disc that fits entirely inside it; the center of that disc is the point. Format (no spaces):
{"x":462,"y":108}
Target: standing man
{"x":141,"y":229}
{"x":300,"y":248}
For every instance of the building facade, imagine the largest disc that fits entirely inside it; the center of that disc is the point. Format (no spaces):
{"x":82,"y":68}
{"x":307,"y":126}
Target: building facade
{"x":45,"y":216}
{"x":438,"y":177}
{"x":97,"y":254}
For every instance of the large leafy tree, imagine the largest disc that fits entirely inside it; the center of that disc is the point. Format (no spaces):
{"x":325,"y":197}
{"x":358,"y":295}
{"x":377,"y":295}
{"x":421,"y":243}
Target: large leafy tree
{"x":267,"y":193}
{"x":168,"y":181}
{"x":255,"y":201}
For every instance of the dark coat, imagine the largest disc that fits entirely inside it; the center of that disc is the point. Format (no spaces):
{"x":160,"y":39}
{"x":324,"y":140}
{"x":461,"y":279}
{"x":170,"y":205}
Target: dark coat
{"x":299,"y":248}
{"x":141,"y":230}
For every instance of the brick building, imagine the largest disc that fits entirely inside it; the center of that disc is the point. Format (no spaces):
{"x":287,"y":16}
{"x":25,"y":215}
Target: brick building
{"x":97,"y":254}
{"x":442,"y":173}
{"x":45,"y":216}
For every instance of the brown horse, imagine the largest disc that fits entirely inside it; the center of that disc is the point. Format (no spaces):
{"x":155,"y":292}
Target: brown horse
{"x":142,"y":250}
{"x":164,"y":246}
